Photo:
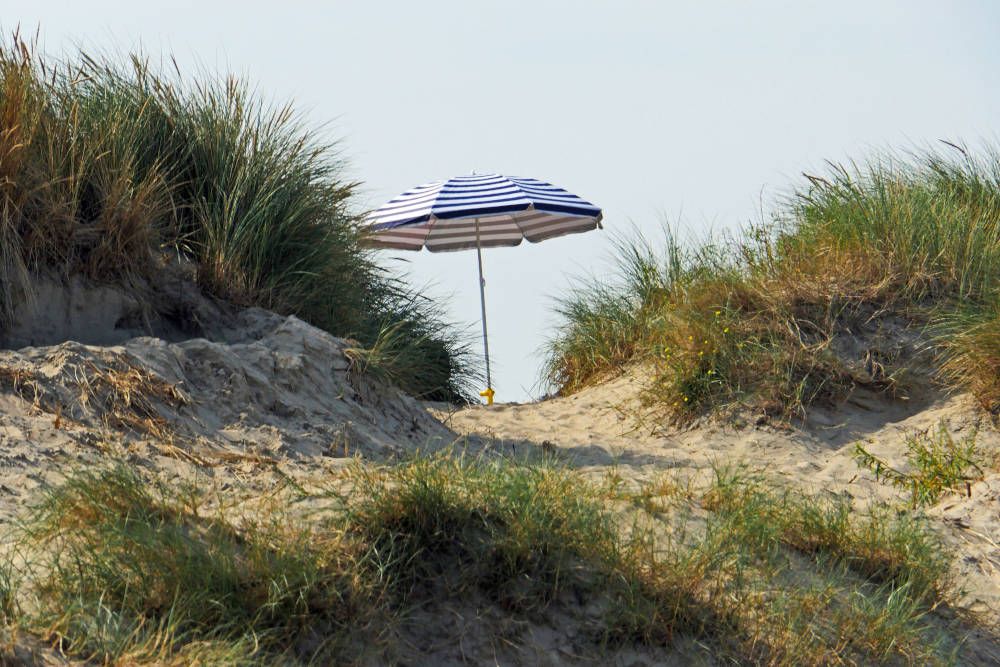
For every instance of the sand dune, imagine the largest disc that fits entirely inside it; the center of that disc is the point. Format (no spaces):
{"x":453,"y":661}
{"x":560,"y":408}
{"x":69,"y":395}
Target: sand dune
{"x":278,"y":392}
{"x":275,"y":398}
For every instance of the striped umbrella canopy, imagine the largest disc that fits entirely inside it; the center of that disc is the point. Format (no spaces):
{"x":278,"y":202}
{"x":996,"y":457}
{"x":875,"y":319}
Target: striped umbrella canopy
{"x":479,"y":211}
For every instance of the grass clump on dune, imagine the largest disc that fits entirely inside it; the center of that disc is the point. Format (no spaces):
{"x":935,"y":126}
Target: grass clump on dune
{"x":767,"y":318}
{"x":122,"y":570}
{"x":771,"y":576}
{"x":112,"y":170}
{"x":969,"y":341}
{"x":521,"y":535}
{"x":712,"y":333}
{"x":119,"y":569}
{"x":880,"y":545}
{"x":128,"y":571}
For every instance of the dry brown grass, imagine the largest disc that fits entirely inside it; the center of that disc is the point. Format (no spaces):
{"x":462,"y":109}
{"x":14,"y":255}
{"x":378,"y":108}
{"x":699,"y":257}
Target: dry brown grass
{"x":117,"y":393}
{"x":124,"y":394}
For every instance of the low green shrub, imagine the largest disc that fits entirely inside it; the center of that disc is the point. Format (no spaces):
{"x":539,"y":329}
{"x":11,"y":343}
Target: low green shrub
{"x":938,"y":464}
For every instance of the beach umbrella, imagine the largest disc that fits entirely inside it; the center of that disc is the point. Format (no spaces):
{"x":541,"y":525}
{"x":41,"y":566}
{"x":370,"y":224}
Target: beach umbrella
{"x":479,"y":211}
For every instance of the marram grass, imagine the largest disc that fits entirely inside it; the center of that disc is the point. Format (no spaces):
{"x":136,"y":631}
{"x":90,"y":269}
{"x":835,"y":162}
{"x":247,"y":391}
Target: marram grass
{"x":111,"y":168}
{"x":766,"y":317}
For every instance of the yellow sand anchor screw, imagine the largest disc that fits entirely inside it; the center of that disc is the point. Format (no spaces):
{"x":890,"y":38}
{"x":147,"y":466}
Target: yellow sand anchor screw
{"x":488,"y":395}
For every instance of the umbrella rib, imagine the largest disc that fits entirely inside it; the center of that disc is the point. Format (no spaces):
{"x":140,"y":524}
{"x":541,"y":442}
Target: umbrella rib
{"x":513,"y":217}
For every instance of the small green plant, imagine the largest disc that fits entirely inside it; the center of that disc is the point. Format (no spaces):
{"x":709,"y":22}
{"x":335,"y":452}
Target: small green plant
{"x":938,"y":464}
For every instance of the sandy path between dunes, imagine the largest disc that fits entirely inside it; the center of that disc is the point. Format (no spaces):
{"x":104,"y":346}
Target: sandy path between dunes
{"x":596,"y":429}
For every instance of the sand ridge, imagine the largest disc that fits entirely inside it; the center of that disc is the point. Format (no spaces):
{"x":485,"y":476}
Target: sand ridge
{"x":279,"y":393}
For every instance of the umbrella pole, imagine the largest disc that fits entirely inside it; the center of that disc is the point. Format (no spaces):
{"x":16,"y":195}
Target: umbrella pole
{"x":488,"y":392}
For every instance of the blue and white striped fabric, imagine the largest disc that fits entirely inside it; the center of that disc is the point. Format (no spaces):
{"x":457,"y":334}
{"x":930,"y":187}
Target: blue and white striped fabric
{"x":486,"y":211}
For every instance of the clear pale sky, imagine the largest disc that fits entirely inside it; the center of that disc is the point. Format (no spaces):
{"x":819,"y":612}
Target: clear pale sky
{"x":693,"y":111}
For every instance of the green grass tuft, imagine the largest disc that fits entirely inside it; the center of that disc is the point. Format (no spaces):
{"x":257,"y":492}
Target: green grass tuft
{"x":817,"y":582}
{"x":133,"y":570}
{"x":519,"y":534}
{"x":969,"y":344}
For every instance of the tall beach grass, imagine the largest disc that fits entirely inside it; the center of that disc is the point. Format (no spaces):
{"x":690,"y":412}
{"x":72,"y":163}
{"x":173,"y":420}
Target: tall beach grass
{"x":768,"y":316}
{"x":111,"y":168}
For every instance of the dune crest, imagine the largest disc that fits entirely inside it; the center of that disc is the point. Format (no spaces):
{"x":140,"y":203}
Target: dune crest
{"x":277,"y":391}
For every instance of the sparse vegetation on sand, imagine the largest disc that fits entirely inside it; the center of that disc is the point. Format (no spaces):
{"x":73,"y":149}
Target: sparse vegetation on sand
{"x":112,"y":169}
{"x":936,"y":464}
{"x":122,"y":569}
{"x":854,"y":266}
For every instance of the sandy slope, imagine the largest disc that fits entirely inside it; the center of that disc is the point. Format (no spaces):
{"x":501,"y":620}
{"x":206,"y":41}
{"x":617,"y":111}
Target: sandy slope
{"x":278,"y":393}
{"x":271,"y":398}
{"x":597,"y":428}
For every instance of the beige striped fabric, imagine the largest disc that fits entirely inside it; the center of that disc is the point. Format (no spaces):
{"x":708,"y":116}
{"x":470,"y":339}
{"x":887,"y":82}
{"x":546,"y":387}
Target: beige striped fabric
{"x":494,"y":231}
